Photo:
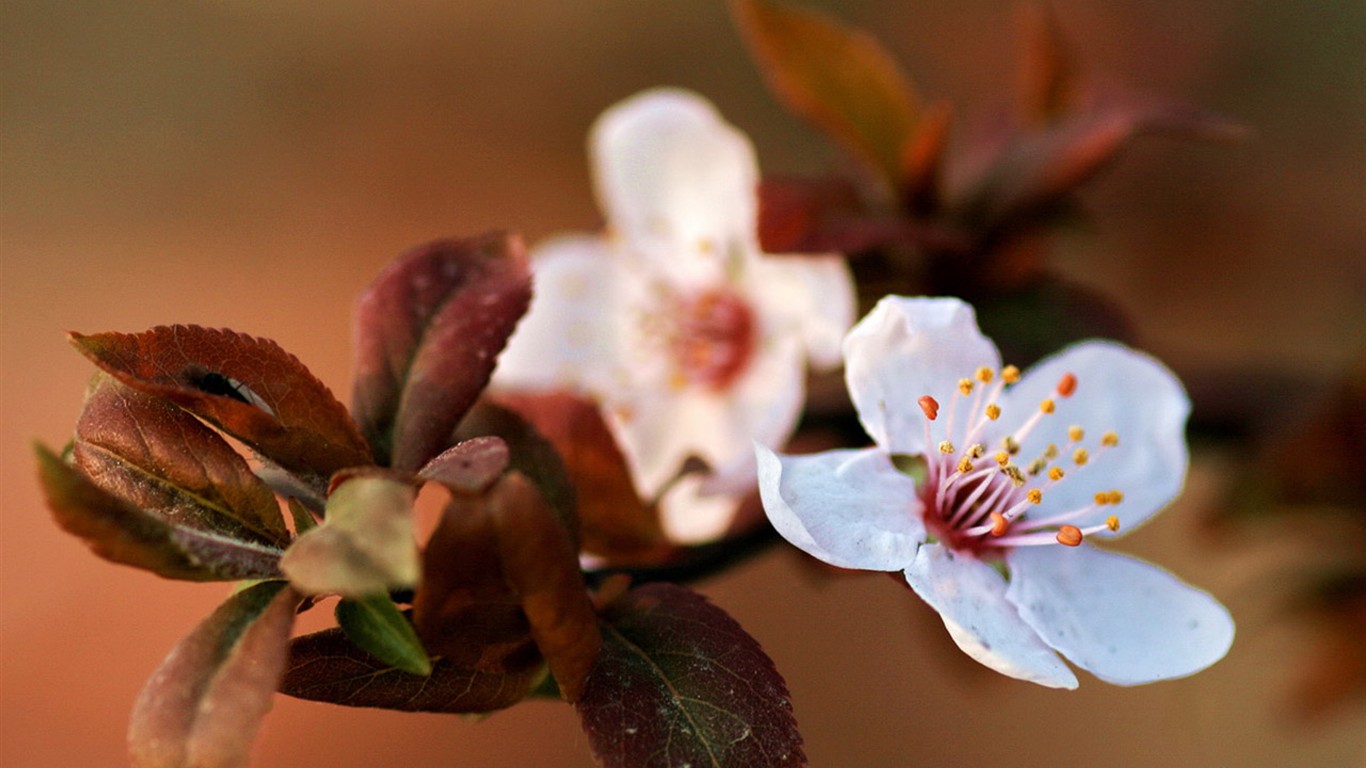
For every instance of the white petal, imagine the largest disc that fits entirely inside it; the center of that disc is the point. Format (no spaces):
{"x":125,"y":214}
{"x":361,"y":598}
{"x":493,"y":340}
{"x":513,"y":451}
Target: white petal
{"x":850,"y":508}
{"x":690,"y":515}
{"x":569,"y":337}
{"x":765,"y":402}
{"x":971,"y":598}
{"x":1123,"y":620}
{"x":658,"y":431}
{"x":811,"y":296}
{"x":1120,"y":390}
{"x":677,"y":183}
{"x":906,"y":348}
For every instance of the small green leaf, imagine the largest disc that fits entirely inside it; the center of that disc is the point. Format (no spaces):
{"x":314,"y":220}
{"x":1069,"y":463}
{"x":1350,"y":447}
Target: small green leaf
{"x":303,"y":519}
{"x":380,"y":629}
{"x":911,"y":465}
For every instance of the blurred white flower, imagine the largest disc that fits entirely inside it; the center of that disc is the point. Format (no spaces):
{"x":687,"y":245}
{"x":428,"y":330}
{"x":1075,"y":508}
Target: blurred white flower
{"x":1012,"y":474}
{"x":693,"y":342}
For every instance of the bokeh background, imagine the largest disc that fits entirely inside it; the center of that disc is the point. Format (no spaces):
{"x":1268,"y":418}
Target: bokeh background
{"x":251,"y":164}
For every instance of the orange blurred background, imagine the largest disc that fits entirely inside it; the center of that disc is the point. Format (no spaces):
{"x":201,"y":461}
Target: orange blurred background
{"x":252,"y":164}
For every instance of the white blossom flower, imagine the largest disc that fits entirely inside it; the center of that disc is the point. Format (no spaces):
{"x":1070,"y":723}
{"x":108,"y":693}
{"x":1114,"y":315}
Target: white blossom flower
{"x":692,"y":341}
{"x":1014,"y":473}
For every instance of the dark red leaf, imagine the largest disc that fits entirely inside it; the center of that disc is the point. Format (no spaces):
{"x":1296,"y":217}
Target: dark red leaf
{"x":122,"y":533}
{"x":1048,"y":77}
{"x":325,"y":666}
{"x":203,"y":706}
{"x":838,"y":77}
{"x":249,"y":387}
{"x":469,"y":466}
{"x":680,"y":683}
{"x":797,"y":215}
{"x":428,"y":331}
{"x":161,"y":459}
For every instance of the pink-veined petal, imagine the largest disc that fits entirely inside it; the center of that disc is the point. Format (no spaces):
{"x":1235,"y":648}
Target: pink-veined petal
{"x":970,"y":597}
{"x":1123,"y":620}
{"x":849,"y":508}
{"x":1118,"y":389}
{"x":906,"y":348}
{"x":570,"y":337}
{"x":677,"y":184}
{"x":810,"y":296}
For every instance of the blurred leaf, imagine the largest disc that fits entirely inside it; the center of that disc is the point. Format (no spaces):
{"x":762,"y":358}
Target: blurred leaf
{"x":542,"y":568}
{"x":161,"y":459}
{"x":1048,"y":77}
{"x":680,"y":683}
{"x":1034,"y":320}
{"x":325,"y":666}
{"x":428,"y":332}
{"x":798,"y":215}
{"x":204,"y":705}
{"x":469,"y":466}
{"x":365,"y":544}
{"x":377,"y":627}
{"x":303,"y":519}
{"x":250,"y":388}
{"x":834,"y":75}
{"x":613,"y":521}
{"x":922,"y":161}
{"x":122,"y":533}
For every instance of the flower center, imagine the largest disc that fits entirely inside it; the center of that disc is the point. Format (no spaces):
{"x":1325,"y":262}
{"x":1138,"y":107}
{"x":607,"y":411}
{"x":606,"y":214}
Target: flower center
{"x":711,"y":338}
{"x":978,"y":498}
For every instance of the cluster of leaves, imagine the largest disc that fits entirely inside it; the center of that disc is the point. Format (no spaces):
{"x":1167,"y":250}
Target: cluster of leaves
{"x":921,"y":222}
{"x":493,"y":609}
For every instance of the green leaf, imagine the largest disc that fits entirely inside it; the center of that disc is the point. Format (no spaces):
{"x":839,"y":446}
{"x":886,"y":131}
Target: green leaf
{"x":680,"y":683}
{"x":122,"y":533}
{"x":205,"y":703}
{"x":380,"y":629}
{"x":836,"y":76}
{"x":429,"y":330}
{"x":365,"y":544}
{"x":248,"y":387}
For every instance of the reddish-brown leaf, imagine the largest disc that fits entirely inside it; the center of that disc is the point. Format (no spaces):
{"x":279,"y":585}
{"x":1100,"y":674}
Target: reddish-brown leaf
{"x":470,"y":466}
{"x":161,"y":459}
{"x":613,"y":522}
{"x":122,"y":533}
{"x":834,"y":75}
{"x":680,"y":683}
{"x":1048,"y":77}
{"x":922,"y":161}
{"x":541,"y":568}
{"x":428,"y":331}
{"x":202,"y":707}
{"x":801,"y":215}
{"x":325,"y":666}
{"x":249,"y":387}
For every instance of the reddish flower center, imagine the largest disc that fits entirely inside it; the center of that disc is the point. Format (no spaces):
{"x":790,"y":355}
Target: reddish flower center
{"x":711,"y":339}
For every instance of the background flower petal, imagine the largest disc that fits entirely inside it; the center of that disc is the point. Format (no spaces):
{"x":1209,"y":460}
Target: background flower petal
{"x":1123,"y":620}
{"x":677,"y":183}
{"x":850,"y":508}
{"x":906,"y":348}
{"x":811,"y":295}
{"x":1118,"y":389}
{"x":970,"y":597}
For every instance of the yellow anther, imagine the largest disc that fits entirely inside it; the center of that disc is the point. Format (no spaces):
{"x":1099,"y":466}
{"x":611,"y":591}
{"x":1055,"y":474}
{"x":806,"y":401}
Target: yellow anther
{"x":1080,"y":456}
{"x":1075,"y":434}
{"x":1010,"y":444}
{"x":984,"y":375}
{"x":1013,"y":472}
{"x":965,"y":387}
{"x":1010,"y":374}
{"x":1051,"y":452}
{"x":946,"y":447}
{"x":929,"y":406}
{"x":993,"y":411}
{"x":999,"y":524}
{"x":1114,"y":497}
{"x":1036,"y":466}
{"x":1055,"y":473}
{"x":1112,"y":523}
{"x":1047,"y":406}
{"x":1035,"y":495}
{"x":977,"y":450}
{"x":1067,"y":385}
{"x":1069,"y":535}
{"x":964,"y":465}
{"x":1002,"y":458}
{"x":1102,"y":498}
{"x":1110,"y":439}
{"x":705,"y":245}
